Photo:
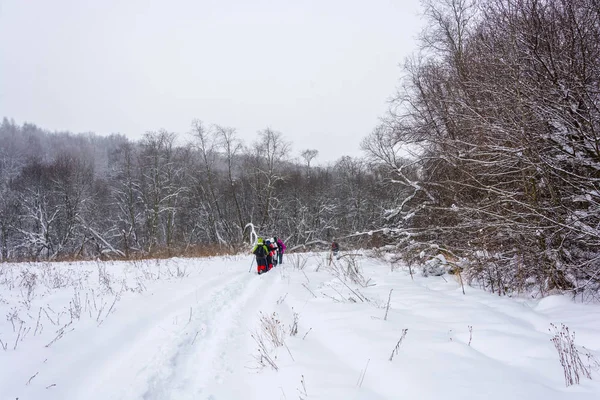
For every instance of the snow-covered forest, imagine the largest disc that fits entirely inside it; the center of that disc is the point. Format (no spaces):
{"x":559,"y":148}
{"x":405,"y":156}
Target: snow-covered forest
{"x":489,"y":160}
{"x":67,"y":195}
{"x":501,"y":110}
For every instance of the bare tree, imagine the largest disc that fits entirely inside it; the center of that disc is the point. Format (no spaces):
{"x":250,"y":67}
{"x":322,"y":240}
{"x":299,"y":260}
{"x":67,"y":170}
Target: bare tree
{"x":272,"y":149}
{"x":232,"y":148}
{"x":127,"y":194}
{"x":207,"y":144}
{"x":159,"y":189}
{"x":308,"y":155}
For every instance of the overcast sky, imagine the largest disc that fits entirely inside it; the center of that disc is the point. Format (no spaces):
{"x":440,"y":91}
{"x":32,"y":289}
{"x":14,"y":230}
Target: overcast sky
{"x":319,"y":71}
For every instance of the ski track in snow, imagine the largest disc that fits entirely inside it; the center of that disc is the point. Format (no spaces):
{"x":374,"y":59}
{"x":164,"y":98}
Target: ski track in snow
{"x":190,"y":358}
{"x":164,"y":325}
{"x":162,"y":353}
{"x":193,"y":369}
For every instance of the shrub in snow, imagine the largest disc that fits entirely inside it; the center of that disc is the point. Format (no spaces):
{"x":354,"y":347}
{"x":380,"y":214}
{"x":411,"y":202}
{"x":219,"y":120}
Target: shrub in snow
{"x":349,"y":269}
{"x":28,"y":282}
{"x":268,"y":337}
{"x":573,"y":367}
{"x":272,"y":328}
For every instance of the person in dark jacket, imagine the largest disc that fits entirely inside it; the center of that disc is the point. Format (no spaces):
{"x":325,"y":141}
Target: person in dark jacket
{"x":269,"y":254}
{"x":261,"y":252}
{"x":272,"y":246}
{"x":280,"y":249}
{"x":335,"y":248}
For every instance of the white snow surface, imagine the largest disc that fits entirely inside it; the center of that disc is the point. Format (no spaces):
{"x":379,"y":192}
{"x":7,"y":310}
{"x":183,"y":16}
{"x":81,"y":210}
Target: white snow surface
{"x":182,"y":329}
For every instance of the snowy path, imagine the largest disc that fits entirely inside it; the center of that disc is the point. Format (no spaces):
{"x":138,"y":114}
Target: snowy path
{"x":190,"y":338}
{"x":167,"y":351}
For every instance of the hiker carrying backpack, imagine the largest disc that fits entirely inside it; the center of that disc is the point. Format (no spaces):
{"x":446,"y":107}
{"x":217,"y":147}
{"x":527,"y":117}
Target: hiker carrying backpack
{"x":261,"y":252}
{"x":280,"y":249}
{"x":270,"y":253}
{"x":335,"y":248}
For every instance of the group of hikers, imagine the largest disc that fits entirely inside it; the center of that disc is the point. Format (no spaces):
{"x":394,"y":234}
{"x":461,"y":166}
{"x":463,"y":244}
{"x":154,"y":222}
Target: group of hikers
{"x":268,"y":253}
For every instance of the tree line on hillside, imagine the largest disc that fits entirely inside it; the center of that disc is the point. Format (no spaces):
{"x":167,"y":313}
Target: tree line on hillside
{"x":65,"y":195}
{"x":500,"y":111}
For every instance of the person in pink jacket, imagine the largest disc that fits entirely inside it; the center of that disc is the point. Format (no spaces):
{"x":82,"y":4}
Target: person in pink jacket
{"x":280,"y":249}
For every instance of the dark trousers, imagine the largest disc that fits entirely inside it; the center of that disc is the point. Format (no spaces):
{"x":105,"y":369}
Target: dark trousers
{"x":261,"y":261}
{"x":280,"y":257}
{"x":269,"y":262}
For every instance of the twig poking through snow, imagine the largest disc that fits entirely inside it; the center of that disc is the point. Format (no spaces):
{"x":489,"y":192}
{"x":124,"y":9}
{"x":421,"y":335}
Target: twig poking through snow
{"x":350,"y":289}
{"x":294,"y":326}
{"x":363,"y":373}
{"x":341,"y":295}
{"x":18,"y":336}
{"x":263,"y":358}
{"x":100,"y":313}
{"x":331,"y":297}
{"x":460,"y":279}
{"x":61,"y":332}
{"x":395,"y":351}
{"x":38,"y":322}
{"x":470,"y":334}
{"x":110,"y":309}
{"x":289,"y":352}
{"x":363,"y":296}
{"x":319,"y":265}
{"x":593,"y":364}
{"x":304,"y":337}
{"x":30,"y":379}
{"x":25,"y":333}
{"x":387,"y":308}
{"x":47,"y":315}
{"x":282,"y":299}
{"x":197,"y":333}
{"x":307,"y":280}
{"x":311,"y":292}
{"x":303,"y":393}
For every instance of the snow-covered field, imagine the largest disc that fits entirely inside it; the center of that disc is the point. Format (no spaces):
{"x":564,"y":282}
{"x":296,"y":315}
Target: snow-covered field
{"x":209,"y":329}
